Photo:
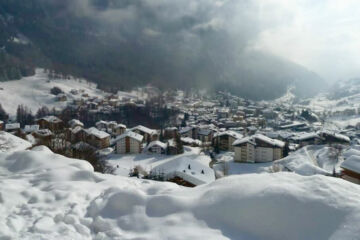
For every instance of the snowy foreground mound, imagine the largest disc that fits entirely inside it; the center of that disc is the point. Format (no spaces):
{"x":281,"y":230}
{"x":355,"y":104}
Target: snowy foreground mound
{"x":47,"y":196}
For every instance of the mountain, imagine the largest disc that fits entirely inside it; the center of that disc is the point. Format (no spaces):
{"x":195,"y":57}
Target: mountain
{"x":121,"y":44}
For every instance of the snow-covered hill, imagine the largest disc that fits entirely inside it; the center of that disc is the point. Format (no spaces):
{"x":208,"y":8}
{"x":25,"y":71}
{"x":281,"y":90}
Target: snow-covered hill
{"x":11,"y":143}
{"x":48,"y":196}
{"x":34,"y":91}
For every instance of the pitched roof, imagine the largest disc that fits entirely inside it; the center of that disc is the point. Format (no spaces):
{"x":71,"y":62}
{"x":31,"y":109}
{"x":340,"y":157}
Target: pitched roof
{"x":51,"y":118}
{"x":260,"y":137}
{"x":229,"y":133}
{"x":352,"y":164}
{"x":156,"y":143}
{"x":144,"y":129}
{"x":130,"y":134}
{"x":12,"y":126}
{"x":96,"y":132}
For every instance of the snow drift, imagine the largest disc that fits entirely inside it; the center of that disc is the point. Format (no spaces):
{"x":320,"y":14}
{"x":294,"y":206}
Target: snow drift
{"x":48,"y":196}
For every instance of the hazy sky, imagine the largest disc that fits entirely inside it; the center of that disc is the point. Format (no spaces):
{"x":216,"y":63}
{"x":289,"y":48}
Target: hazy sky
{"x":323,"y":35}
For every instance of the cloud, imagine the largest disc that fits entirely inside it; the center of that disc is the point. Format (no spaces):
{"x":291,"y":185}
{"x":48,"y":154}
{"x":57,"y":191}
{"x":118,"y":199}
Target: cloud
{"x":321,"y":35}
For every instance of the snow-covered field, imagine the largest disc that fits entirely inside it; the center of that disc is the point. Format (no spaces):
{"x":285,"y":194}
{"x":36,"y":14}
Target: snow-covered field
{"x":123,"y":163}
{"x":34,"y":91}
{"x":48,"y":196}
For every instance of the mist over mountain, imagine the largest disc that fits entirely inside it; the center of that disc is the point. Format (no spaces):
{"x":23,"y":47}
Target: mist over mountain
{"x":120,"y":44}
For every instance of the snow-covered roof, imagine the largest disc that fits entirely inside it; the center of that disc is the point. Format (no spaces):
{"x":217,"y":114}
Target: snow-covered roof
{"x":204,"y":131}
{"x":76,"y":129}
{"x":156,"y":143}
{"x":75,"y":122}
{"x":120,"y":125}
{"x":335,"y":135}
{"x":229,"y":133}
{"x":191,"y":141}
{"x":305,"y":136}
{"x":180,"y":167}
{"x":96,"y":132}
{"x":294,"y":124}
{"x":44,"y":132}
{"x":144,"y":129}
{"x":12,"y":126}
{"x":31,"y":128}
{"x":185,"y":130}
{"x":131,"y":134}
{"x":52,"y":119}
{"x":352,"y":164}
{"x":260,"y":137}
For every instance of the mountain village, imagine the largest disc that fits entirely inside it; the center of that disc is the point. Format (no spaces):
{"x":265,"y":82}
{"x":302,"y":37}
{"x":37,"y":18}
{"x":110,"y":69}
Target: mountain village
{"x":203,"y":137}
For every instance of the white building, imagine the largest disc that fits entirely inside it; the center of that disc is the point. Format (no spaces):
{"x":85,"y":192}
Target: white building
{"x":129,"y":142}
{"x":258,"y":148}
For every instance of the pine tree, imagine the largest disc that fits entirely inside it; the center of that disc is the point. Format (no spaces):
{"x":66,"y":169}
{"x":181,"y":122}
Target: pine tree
{"x":3,"y":115}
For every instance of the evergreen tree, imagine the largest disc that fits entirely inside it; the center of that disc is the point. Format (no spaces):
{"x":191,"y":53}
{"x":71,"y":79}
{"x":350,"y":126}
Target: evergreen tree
{"x":3,"y":115}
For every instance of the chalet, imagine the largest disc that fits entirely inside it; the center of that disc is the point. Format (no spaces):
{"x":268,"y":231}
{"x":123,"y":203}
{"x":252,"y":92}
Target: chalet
{"x":148,"y":134}
{"x":258,"y":148}
{"x":12,"y":127}
{"x":119,"y":129}
{"x":97,"y":138}
{"x":129,"y":142}
{"x":170,"y":132}
{"x":52,"y":123}
{"x":75,"y":123}
{"x":329,"y":137}
{"x":307,"y":139}
{"x":186,"y":132}
{"x":224,"y":140}
{"x":155,"y":147}
{"x":205,"y":134}
{"x":351,"y":169}
{"x":76,"y":134}
{"x":171,"y":148}
{"x":43,"y":136}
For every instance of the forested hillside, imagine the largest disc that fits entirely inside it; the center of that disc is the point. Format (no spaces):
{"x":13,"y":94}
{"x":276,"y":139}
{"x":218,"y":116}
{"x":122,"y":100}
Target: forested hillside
{"x":120,"y":44}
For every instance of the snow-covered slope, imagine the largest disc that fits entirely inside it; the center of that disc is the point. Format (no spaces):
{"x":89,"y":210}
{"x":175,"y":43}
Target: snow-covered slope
{"x":48,"y":196}
{"x":310,"y":160}
{"x":34,"y":91}
{"x":11,"y":143}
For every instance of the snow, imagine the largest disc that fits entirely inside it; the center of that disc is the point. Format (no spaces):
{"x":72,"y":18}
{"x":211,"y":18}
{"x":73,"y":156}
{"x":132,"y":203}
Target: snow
{"x":48,"y":196}
{"x":11,"y":143}
{"x":34,"y":92}
{"x":130,"y":134}
{"x":260,"y":137}
{"x":310,"y":160}
{"x":98,"y":133}
{"x":123,"y":163}
{"x":352,"y":163}
{"x":197,"y":174}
